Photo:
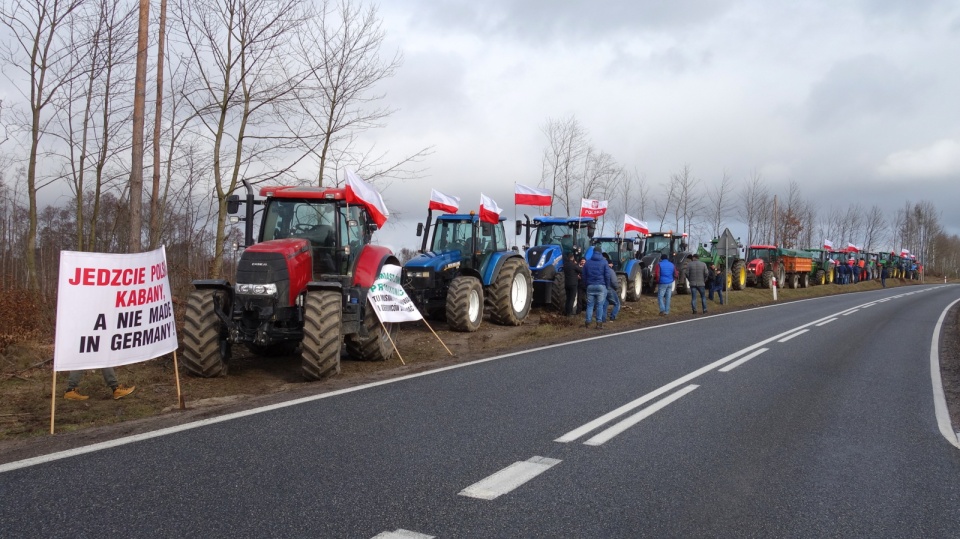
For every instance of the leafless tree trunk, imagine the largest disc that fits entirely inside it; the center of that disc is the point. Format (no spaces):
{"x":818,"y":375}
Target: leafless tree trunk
{"x":566,"y":147}
{"x":721,"y":203}
{"x":754,"y":201}
{"x":139,"y":111}
{"x":155,"y":206}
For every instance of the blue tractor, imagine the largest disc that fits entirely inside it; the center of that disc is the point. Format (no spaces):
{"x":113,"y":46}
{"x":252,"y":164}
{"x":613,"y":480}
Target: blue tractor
{"x":556,"y":237}
{"x":468,"y":270}
{"x":622,"y":253}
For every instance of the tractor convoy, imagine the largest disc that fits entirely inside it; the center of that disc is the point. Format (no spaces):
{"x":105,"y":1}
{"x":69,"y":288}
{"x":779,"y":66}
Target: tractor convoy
{"x":302,"y":284}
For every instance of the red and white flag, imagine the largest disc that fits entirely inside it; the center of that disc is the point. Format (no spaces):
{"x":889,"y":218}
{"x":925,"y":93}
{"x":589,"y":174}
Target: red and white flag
{"x":361,"y":192}
{"x":851,"y":248}
{"x":631,"y":223}
{"x":531,"y":196}
{"x":827,"y":244}
{"x":442,"y":202}
{"x":904,"y":252}
{"x":489,"y":211}
{"x":592,"y":208}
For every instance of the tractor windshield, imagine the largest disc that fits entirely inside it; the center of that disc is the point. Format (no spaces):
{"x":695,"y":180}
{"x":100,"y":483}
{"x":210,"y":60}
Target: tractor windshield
{"x":562,"y":234}
{"x":610,"y":248}
{"x":762,"y":254}
{"x":309,"y":219}
{"x":450,"y":235}
{"x":658,"y":244}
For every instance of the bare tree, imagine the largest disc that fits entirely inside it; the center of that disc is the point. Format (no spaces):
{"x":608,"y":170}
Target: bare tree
{"x":721,"y":203}
{"x":873,"y":229}
{"x":155,"y":201}
{"x":754,"y":201}
{"x":136,"y":147}
{"x":566,"y":147}
{"x":42,"y":52}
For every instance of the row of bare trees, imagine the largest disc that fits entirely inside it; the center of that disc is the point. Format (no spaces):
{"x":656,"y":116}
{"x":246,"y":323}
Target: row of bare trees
{"x":572,"y":168}
{"x":264,"y":90}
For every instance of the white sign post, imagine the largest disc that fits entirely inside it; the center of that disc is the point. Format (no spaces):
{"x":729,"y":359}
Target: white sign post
{"x":392,"y":304}
{"x":112,"y":309}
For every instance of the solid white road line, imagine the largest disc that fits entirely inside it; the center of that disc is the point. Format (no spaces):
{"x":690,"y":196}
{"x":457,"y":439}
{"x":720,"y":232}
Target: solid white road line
{"x":825,"y":322}
{"x":939,"y":398}
{"x":743,"y":360}
{"x":616,"y":429}
{"x":402,"y":534}
{"x":508,"y":478}
{"x":797,"y":334}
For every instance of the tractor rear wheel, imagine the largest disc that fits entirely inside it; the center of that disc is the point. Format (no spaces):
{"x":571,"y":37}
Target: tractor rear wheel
{"x":727,"y":280}
{"x":558,"y":294}
{"x":766,"y":280}
{"x":622,"y":287}
{"x":683,"y":285}
{"x":376,"y":345}
{"x":635,"y":286}
{"x":782,"y":278}
{"x":464,"y":304}
{"x":511,"y":294}
{"x":739,"y":275}
{"x":320,"y":349}
{"x":205,"y":346}
{"x":820,"y":278}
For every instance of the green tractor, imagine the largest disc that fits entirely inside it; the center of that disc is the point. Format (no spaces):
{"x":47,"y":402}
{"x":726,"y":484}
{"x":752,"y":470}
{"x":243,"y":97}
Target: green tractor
{"x":822,"y":266}
{"x":724,"y":253}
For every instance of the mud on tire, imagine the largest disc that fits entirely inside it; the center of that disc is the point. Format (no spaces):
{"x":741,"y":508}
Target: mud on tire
{"x":510,"y":296}
{"x":320,"y":350}
{"x":376,"y":345}
{"x":464,"y":304}
{"x":205,"y":347}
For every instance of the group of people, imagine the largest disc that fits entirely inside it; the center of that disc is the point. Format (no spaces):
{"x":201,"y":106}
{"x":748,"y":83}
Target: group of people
{"x":594,"y":282}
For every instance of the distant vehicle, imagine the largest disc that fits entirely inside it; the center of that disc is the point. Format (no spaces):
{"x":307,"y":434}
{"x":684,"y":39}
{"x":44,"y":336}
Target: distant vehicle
{"x":790,"y":267}
{"x":623,"y":255}
{"x":724,"y":253}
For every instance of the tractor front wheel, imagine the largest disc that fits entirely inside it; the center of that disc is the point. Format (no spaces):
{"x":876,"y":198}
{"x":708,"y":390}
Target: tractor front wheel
{"x":320,"y":350}
{"x":739,"y":275}
{"x":464,"y":304}
{"x":376,"y":346}
{"x":205,"y":346}
{"x":635,"y":287}
{"x":511,"y":294}
{"x":622,"y":287}
{"x":558,"y":294}
{"x":766,"y":280}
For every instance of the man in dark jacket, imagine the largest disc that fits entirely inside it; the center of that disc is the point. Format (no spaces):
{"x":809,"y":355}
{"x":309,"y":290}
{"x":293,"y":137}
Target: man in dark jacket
{"x":595,"y":275}
{"x":696,"y":273}
{"x":571,"y":282}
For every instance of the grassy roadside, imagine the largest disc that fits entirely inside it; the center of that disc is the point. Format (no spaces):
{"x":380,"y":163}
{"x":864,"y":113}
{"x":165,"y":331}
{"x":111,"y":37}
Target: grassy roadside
{"x":25,"y":380}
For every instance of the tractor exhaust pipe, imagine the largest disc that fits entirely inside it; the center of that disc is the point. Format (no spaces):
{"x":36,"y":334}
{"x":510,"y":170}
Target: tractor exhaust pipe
{"x":248,"y":223}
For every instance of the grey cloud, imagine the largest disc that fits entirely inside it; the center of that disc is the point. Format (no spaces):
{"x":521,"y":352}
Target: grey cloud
{"x":858,"y":89}
{"x":429,"y":87}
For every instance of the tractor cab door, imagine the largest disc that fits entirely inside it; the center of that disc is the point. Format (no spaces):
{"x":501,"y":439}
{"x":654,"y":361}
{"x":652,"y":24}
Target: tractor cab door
{"x":353,"y":235}
{"x":488,"y":240}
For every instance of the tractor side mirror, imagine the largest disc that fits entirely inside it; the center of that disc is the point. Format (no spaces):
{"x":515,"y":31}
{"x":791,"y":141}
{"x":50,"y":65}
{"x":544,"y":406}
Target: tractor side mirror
{"x":591,"y":229}
{"x":233,"y":204}
{"x":519,"y":227}
{"x":628,"y":245}
{"x":419,"y":229}
{"x":372,"y":227}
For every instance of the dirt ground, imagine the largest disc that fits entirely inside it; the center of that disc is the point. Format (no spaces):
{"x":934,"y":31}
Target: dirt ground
{"x":26,"y":376}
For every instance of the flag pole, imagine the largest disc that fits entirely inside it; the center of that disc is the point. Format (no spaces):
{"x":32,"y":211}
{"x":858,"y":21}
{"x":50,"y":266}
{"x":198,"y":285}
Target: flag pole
{"x":176,"y":374}
{"x":53,"y":400}
{"x":437,"y":336}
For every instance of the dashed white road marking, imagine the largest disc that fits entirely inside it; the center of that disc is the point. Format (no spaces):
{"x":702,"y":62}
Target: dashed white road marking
{"x":797,"y":334}
{"x":743,"y":360}
{"x":618,"y":428}
{"x":850,"y":312}
{"x":825,"y":322}
{"x":508,"y":478}
{"x":402,"y":534}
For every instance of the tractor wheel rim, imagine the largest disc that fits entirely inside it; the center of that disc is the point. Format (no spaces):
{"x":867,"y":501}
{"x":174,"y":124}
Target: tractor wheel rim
{"x":473,"y":305}
{"x":518,"y":293}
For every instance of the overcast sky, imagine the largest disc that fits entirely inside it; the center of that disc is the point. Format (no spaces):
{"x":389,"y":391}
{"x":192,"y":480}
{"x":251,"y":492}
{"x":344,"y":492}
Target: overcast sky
{"x":858,"y":101}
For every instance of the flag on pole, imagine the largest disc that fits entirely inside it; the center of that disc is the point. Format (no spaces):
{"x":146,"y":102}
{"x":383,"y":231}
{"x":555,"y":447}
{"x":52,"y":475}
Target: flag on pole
{"x":531,"y":196}
{"x":592,"y":208}
{"x":489,"y":211}
{"x":631,"y":223}
{"x":442,"y":202}
{"x":851,"y":248}
{"x":361,"y":192}
{"x":827,"y":244}
{"x":904,"y":252}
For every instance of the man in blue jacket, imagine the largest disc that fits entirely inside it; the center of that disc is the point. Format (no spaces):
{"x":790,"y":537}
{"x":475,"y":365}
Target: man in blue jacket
{"x":595,"y":276}
{"x":665,"y":273}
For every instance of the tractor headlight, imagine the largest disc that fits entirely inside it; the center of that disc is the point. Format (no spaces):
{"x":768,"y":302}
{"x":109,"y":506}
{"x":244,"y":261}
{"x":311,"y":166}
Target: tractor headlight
{"x":418,"y":274}
{"x":256,"y":289}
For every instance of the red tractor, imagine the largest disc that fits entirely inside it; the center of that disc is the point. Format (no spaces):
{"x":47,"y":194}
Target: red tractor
{"x":303,"y":283}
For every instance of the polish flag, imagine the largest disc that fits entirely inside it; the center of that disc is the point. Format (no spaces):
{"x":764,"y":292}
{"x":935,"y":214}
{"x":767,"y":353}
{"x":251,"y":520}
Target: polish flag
{"x":489,"y":211}
{"x":904,"y":252}
{"x":851,"y":248}
{"x":631,"y":223}
{"x":361,"y":192}
{"x":592,"y":208}
{"x":442,"y":202}
{"x":531,"y":196}
{"x":827,"y":244}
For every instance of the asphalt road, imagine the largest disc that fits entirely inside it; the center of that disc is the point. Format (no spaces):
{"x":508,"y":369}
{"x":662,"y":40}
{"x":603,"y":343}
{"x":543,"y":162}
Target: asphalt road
{"x":736,"y":425}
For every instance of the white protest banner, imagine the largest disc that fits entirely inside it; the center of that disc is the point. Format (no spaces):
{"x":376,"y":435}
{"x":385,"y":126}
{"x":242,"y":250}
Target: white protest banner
{"x":112,"y":309}
{"x":390,"y":300}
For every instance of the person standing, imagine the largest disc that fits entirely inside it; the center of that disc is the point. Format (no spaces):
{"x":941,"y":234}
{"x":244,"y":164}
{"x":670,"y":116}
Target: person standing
{"x":581,"y":288}
{"x":696,"y":273}
{"x":571,"y":283}
{"x":715,"y":283}
{"x":665,"y":274}
{"x":109,"y":376}
{"x":883,"y":275}
{"x":613,"y":292}
{"x":595,"y":276}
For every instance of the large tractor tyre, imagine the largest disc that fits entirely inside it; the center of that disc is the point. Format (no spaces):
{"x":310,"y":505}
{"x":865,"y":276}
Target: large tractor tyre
{"x":558,"y":293}
{"x":727,"y":280}
{"x":376,"y":346}
{"x":464,"y":304}
{"x":782,"y":278}
{"x":739,"y":275}
{"x":272,"y":350}
{"x":635,"y":287}
{"x":805,"y":280}
{"x":622,"y":288}
{"x":511,"y":294}
{"x":794,"y":280}
{"x":766,"y":279}
{"x":683,"y":285}
{"x":205,"y":346}
{"x":820,"y":278}
{"x":320,"y":349}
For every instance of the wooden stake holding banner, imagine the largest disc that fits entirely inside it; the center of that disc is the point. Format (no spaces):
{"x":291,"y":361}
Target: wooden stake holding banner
{"x":53,"y":400}
{"x":392,"y":305}
{"x":395,"y":349}
{"x":176,"y":374}
{"x":438,"y":337}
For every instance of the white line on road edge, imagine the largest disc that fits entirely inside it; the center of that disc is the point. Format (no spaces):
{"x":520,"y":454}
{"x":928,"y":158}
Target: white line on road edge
{"x":616,"y":429}
{"x":743,"y":360}
{"x":508,"y":478}
{"x":825,"y":322}
{"x":797,"y":334}
{"x":939,"y":399}
{"x":402,"y":534}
